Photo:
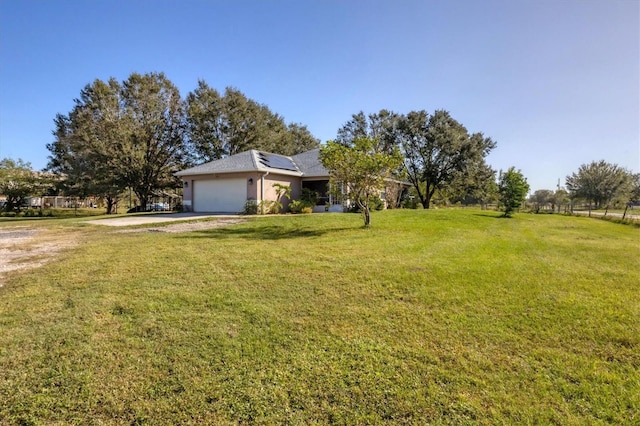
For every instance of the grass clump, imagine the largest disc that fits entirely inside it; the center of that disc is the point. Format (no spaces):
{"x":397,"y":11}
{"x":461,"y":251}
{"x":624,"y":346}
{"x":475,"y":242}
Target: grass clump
{"x":429,"y":317}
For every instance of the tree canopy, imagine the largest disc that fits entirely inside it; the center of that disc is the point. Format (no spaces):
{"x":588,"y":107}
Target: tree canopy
{"x":380,"y":127}
{"x":223,"y":125}
{"x":360,"y":170}
{"x":154,"y":147}
{"x":18,"y":182}
{"x":513,"y":189}
{"x":542,"y":198}
{"x":476,"y":184}
{"x":634,"y":193}
{"x":439,"y":153}
{"x":121,"y":135}
{"x":85,"y":140}
{"x":437,"y":149}
{"x":599,"y":182}
{"x":137,"y":133}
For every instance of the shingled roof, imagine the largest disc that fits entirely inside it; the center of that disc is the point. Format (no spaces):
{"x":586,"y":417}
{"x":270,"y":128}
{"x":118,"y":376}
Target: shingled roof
{"x":305,"y":164}
{"x":309,"y":164}
{"x":247,"y":161}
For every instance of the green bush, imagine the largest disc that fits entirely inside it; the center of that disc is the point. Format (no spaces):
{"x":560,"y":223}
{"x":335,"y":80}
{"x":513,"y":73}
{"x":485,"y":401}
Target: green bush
{"x":411,"y":203}
{"x":32,"y":213}
{"x":375,"y":203}
{"x":250,"y":207}
{"x":270,"y":207}
{"x":299,"y":206}
{"x":310,"y":196}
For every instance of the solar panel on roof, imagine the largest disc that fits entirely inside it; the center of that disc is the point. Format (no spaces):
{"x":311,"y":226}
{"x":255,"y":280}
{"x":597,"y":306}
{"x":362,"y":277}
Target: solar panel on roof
{"x":277,"y":162}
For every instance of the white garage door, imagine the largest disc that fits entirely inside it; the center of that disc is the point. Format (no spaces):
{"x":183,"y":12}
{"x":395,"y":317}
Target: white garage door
{"x":220,"y":196}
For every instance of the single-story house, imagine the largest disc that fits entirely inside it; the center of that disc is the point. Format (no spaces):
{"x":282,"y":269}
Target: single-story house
{"x":227,"y":184}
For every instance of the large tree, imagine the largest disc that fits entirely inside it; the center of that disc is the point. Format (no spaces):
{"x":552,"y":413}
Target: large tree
{"x":85,"y":140}
{"x":121,"y":135}
{"x":560,"y":197}
{"x":513,"y":189}
{"x":223,"y":125}
{"x":18,"y":182}
{"x":634,"y":193}
{"x":360,"y":169}
{"x":299,"y":139}
{"x":206,"y":123}
{"x":542,"y":198}
{"x":598,"y":182}
{"x":476,"y":184}
{"x":154,"y":148}
{"x":380,"y":127}
{"x":438,"y":148}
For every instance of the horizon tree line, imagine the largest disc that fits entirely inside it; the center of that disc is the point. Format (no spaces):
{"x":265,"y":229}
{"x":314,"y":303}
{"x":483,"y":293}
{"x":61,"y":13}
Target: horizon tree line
{"x":137,"y":133}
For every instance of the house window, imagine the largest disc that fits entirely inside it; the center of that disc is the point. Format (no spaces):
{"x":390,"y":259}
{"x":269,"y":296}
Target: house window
{"x":336,"y":195}
{"x":321,"y":187}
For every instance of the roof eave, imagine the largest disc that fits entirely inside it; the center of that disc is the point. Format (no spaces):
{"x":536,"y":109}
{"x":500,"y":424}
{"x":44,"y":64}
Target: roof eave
{"x":211,"y":172}
{"x":258,"y":170}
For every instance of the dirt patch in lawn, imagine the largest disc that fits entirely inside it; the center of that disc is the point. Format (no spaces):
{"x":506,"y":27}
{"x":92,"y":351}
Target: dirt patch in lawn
{"x":24,"y":248}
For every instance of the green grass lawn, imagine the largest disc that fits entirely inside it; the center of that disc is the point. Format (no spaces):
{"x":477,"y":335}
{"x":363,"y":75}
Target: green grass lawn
{"x":437,"y":316}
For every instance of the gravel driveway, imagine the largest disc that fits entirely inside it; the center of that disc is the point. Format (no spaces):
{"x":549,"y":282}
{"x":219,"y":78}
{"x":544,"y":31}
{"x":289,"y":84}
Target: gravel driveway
{"x":156,"y":218}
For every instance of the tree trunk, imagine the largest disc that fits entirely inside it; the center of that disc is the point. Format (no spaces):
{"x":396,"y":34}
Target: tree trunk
{"x":144,"y":200}
{"x":422,"y":198}
{"x":110,"y":203}
{"x":367,"y":216}
{"x":427,"y":201}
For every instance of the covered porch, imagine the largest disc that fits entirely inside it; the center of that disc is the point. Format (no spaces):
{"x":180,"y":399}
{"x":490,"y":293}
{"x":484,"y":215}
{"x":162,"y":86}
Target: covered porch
{"x":325,"y":201}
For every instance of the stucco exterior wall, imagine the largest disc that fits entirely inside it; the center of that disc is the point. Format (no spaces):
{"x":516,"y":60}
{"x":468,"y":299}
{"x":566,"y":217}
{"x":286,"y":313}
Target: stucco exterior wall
{"x":254,"y":186}
{"x":270,"y":192}
{"x":187,"y":185}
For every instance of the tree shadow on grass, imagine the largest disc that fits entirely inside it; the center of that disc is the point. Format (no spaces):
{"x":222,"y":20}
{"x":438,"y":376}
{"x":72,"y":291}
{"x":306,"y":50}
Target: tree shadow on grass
{"x":492,"y":215}
{"x":271,"y":232}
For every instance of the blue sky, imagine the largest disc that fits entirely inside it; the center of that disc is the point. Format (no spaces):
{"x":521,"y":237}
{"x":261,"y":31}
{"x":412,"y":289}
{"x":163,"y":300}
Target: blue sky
{"x":555,"y":82}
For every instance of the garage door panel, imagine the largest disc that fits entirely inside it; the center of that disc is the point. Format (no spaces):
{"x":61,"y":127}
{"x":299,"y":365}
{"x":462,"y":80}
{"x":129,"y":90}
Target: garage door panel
{"x":219,"y":195}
